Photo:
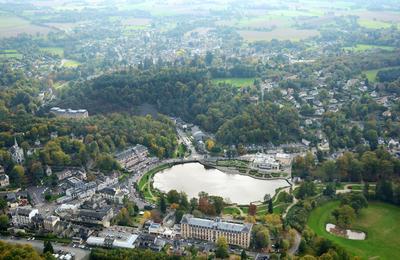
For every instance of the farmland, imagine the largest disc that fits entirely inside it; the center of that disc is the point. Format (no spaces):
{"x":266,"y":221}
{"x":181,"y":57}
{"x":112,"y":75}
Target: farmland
{"x":11,"y":25}
{"x":278,"y":34}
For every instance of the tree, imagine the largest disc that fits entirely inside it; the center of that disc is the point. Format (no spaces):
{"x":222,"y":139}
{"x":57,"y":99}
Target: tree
{"x":163,"y":204}
{"x":330,"y":189}
{"x":17,"y":175}
{"x":243,"y":255}
{"x":4,"y":221}
{"x":344,"y":216}
{"x":252,"y":209}
{"x":173,"y":196}
{"x":48,"y":247}
{"x":178,"y":215}
{"x":261,"y":238}
{"x":270,"y":207}
{"x":222,"y":248}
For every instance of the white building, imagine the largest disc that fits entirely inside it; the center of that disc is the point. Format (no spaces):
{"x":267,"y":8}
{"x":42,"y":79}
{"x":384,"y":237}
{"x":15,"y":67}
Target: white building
{"x":265,"y":161}
{"x":211,"y":230}
{"x":69,"y":113}
{"x":4,"y":180}
{"x":22,"y":216}
{"x":113,"y":239}
{"x":17,"y":153}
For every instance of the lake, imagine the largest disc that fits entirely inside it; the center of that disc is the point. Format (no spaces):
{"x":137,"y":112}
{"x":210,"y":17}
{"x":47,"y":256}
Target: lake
{"x":192,"y":178}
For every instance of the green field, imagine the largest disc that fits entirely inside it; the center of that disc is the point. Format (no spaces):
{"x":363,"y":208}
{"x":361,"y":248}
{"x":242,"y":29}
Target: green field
{"x":373,"y":24}
{"x":145,"y":182}
{"x":5,"y":54}
{"x":236,"y":82}
{"x":70,"y":63}
{"x":54,"y":51}
{"x":380,"y":221}
{"x":366,"y":47}
{"x":280,"y":33}
{"x":371,"y":74}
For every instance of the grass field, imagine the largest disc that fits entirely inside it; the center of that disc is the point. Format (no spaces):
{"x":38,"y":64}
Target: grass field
{"x":283,"y":33}
{"x":6,"y":54}
{"x":145,"y":182}
{"x":236,"y":82}
{"x":70,"y":63}
{"x":381,"y":223}
{"x":373,"y":24}
{"x":366,"y":47}
{"x":371,"y":74}
{"x":11,"y":25}
{"x":54,"y":51}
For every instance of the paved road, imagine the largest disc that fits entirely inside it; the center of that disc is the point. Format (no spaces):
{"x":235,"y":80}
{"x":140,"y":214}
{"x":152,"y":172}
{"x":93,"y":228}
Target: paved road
{"x":296,"y":244}
{"x":38,"y":245}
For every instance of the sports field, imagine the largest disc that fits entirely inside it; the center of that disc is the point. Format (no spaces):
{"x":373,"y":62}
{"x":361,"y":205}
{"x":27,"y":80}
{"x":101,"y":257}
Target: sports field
{"x":236,"y":82}
{"x":380,"y":221}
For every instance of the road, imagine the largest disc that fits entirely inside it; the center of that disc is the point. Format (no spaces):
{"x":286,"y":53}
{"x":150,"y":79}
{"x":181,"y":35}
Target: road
{"x":295,"y":247}
{"x":38,"y":245}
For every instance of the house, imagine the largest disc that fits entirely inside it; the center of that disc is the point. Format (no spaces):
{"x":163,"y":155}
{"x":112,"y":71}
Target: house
{"x":22,"y":216}
{"x":4,"y":180}
{"x":156,"y":229}
{"x":132,"y":156}
{"x":50,"y":222}
{"x":17,"y":153}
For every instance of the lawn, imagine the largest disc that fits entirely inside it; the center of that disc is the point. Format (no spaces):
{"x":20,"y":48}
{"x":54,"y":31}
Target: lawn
{"x":366,"y":47}
{"x":371,"y":74}
{"x":5,"y":54}
{"x":373,"y":24}
{"x":70,"y":63}
{"x":380,"y":221}
{"x":145,"y":184}
{"x":236,"y":82}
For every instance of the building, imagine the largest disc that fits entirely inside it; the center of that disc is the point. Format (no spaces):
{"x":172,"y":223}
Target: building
{"x":132,"y":156}
{"x":211,"y":230}
{"x":50,"y":222}
{"x":69,"y":113}
{"x":112,"y":194}
{"x":101,"y":216}
{"x":4,"y":180}
{"x":113,"y":240}
{"x":283,"y":158}
{"x":265,"y":162}
{"x":17,"y":153}
{"x":22,"y":216}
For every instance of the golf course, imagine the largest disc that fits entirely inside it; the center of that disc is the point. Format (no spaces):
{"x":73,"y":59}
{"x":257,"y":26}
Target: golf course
{"x":380,"y":221}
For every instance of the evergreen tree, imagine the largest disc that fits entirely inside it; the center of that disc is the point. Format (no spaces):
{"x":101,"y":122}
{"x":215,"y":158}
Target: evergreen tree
{"x":270,"y":207}
{"x":47,"y":247}
{"x":243,"y":255}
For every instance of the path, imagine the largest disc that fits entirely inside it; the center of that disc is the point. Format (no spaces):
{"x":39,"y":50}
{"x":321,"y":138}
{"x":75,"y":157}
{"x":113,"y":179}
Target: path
{"x":295,"y":247}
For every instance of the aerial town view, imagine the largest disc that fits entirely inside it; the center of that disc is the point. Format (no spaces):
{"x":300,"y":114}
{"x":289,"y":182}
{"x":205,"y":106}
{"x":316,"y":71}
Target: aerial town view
{"x":189,"y":129}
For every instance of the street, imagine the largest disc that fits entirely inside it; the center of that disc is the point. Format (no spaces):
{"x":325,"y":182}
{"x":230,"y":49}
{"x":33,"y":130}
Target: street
{"x":38,"y":245}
